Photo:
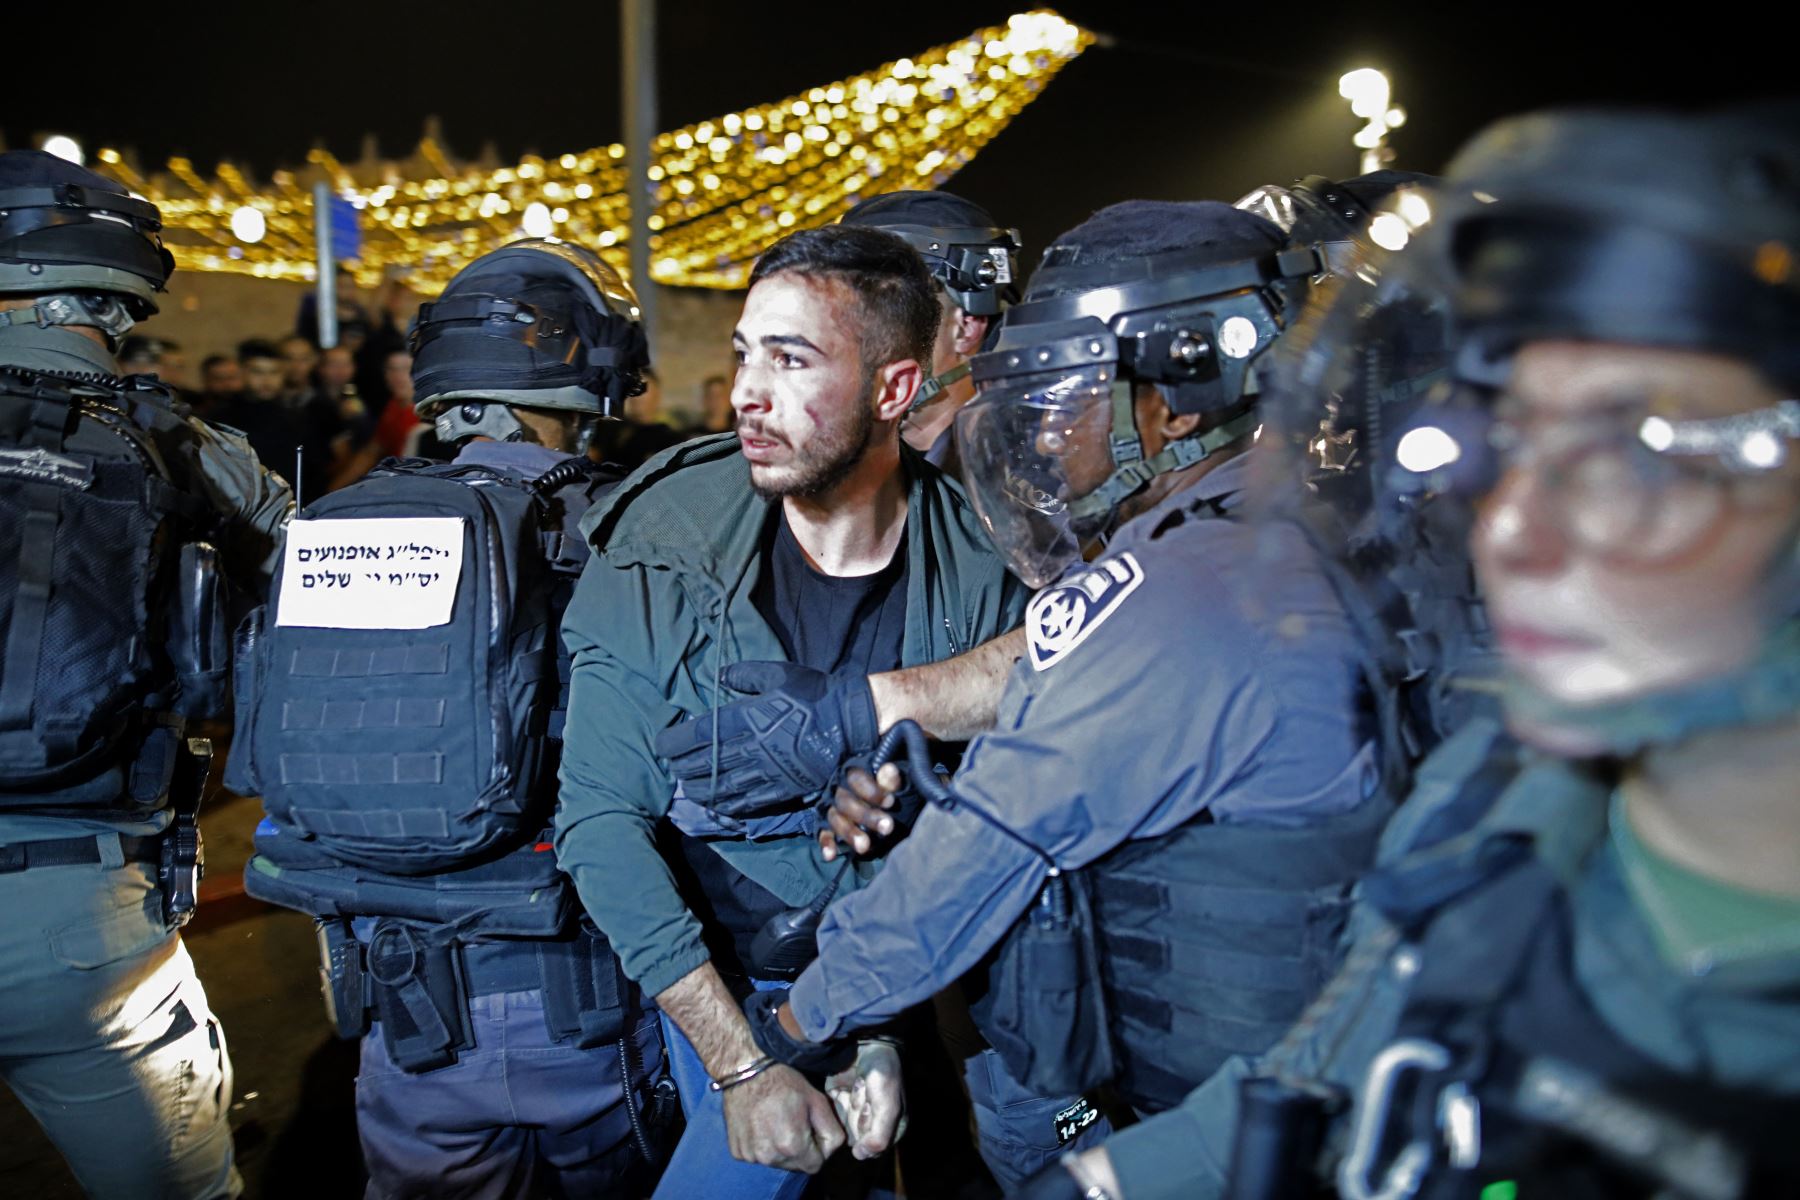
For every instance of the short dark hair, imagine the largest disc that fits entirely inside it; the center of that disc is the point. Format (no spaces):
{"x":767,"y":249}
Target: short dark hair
{"x":257,"y":348}
{"x":899,"y":298}
{"x":213,"y":360}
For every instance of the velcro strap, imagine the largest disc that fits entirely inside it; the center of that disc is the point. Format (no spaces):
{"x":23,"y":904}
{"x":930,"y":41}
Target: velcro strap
{"x":31,"y":606}
{"x":494,"y":967}
{"x":419,"y":994}
{"x":70,"y":852}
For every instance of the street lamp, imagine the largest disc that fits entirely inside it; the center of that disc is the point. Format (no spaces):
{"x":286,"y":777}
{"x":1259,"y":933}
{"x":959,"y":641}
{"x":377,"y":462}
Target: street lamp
{"x":248,"y":224}
{"x":1369,"y":92}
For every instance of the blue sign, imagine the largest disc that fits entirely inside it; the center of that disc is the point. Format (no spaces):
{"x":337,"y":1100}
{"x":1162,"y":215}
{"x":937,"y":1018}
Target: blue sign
{"x":346,"y":230}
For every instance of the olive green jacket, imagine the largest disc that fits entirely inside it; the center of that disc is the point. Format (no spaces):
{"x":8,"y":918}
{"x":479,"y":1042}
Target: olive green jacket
{"x":662,"y":607}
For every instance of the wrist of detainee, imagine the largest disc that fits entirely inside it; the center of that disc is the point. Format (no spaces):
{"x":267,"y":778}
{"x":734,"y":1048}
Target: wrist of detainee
{"x":763,"y":1009}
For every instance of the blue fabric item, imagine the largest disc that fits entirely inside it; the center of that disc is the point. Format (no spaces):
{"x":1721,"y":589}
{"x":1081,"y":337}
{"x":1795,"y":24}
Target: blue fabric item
{"x":1139,"y":230}
{"x":518,"y":1116}
{"x":702,"y":1164}
{"x":1016,"y":1126}
{"x":1116,"y":737}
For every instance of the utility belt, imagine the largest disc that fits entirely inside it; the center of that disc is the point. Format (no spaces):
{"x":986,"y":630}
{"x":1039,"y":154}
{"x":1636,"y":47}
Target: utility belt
{"x":417,"y":980}
{"x":178,"y":853}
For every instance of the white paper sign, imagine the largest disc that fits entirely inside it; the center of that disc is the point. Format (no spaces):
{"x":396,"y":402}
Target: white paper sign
{"x":371,"y":572}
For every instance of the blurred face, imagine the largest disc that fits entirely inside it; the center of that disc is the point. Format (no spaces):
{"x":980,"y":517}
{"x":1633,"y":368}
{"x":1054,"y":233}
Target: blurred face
{"x":647,"y":405}
{"x":172,"y":368}
{"x":803,"y":398}
{"x":224,"y":378}
{"x":1611,"y":572}
{"x":336,"y":368}
{"x":264,"y":378}
{"x":298,"y":359}
{"x":397,"y":371}
{"x":715,"y":403}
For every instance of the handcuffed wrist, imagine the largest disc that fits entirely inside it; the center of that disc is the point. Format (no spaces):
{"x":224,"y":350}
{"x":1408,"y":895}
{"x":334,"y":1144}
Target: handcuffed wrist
{"x":743,"y":1074}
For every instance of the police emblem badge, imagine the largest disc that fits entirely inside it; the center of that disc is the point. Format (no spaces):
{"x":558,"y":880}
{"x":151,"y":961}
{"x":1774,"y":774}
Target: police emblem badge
{"x":1061,"y":617}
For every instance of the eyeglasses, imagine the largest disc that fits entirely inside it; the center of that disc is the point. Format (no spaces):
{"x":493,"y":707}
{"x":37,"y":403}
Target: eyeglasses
{"x":1629,"y":484}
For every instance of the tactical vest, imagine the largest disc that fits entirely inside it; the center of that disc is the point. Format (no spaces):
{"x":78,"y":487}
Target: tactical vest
{"x":112,"y":617}
{"x":1503,"y":1072}
{"x":1151,"y":967}
{"x":1155,"y":964}
{"x":1214,"y":938}
{"x":409,"y":775}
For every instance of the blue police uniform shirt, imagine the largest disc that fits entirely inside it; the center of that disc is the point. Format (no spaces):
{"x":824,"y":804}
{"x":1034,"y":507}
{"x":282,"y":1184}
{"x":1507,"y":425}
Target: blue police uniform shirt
{"x":1202,"y":665}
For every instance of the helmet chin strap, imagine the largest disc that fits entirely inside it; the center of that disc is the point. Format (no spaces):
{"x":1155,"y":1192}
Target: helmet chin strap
{"x":1132,"y":472}
{"x":937,"y":383}
{"x":104,"y":313}
{"x":1766,"y":690}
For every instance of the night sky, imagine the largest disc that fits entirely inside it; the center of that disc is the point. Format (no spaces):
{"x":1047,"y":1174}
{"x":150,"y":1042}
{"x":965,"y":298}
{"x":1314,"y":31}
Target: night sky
{"x":1195,"y":100}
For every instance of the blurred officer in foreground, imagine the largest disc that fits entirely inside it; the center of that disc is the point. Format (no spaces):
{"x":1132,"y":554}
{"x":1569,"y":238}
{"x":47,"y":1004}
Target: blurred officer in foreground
{"x":1161,"y":829}
{"x":125,"y":525}
{"x":1574,"y":973}
{"x":505,"y":1055}
{"x":975,"y":262}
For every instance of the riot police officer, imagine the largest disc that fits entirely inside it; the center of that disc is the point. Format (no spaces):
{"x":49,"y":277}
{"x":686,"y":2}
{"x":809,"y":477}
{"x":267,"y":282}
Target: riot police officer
{"x":126,"y":524}
{"x":1574,"y":971}
{"x":977,"y":264}
{"x":1160,"y":830}
{"x":504,"y":1054}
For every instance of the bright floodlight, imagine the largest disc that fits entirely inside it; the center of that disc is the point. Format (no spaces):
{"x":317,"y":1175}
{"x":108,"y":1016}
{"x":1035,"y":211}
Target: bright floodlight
{"x":1367,"y":91}
{"x":248,"y":224}
{"x":64,"y":147}
{"x":1762,"y":450}
{"x":1427,"y":449}
{"x":537,"y":220}
{"x":1389,"y":231}
{"x":1656,"y":433}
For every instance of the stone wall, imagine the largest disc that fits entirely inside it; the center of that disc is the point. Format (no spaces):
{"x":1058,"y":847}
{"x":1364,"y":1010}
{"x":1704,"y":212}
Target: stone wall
{"x":211,"y":312}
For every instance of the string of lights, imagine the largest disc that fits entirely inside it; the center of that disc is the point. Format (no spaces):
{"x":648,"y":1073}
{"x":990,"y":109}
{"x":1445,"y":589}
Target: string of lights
{"x":721,"y":190}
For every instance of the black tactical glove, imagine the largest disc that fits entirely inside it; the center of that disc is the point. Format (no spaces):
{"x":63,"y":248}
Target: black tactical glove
{"x":814,"y":1058}
{"x":783,"y":743}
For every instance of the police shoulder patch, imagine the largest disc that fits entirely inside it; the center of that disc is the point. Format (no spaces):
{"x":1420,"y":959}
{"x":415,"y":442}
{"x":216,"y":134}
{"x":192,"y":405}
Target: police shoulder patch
{"x":1061,"y":617}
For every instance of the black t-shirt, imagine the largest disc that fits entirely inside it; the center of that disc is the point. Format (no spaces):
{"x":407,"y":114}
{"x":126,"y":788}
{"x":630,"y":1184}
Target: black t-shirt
{"x":829,"y":623}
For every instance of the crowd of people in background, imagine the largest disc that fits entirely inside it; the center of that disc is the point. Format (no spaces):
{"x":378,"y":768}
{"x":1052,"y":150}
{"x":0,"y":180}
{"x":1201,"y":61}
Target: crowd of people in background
{"x":321,"y":416}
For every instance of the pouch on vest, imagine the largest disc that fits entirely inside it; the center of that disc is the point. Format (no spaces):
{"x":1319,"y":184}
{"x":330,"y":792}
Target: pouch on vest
{"x":520,"y":895}
{"x":199,"y":638}
{"x":421,"y":996}
{"x":586,"y":994}
{"x":417,"y":748}
{"x":1044,"y":1010}
{"x":91,"y":522}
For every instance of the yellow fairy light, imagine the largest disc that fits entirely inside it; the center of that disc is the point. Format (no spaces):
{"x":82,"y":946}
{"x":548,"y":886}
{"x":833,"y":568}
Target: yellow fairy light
{"x":723,"y":189}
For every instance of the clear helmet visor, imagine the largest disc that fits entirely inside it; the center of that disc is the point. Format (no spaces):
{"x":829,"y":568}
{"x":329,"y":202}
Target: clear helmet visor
{"x":1030,"y":449}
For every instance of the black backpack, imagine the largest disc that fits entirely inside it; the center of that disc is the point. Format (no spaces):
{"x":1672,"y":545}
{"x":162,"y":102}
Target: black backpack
{"x":412,"y":751}
{"x":112,"y":618}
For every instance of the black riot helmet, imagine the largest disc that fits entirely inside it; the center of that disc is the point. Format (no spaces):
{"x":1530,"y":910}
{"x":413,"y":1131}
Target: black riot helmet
{"x":1182,"y":296}
{"x":92,"y":254}
{"x":537,"y":323}
{"x":1333,"y":215}
{"x":1645,"y":228}
{"x":964,"y":248}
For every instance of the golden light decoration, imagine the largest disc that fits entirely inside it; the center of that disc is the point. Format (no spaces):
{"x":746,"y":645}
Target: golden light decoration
{"x":724,"y":189}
